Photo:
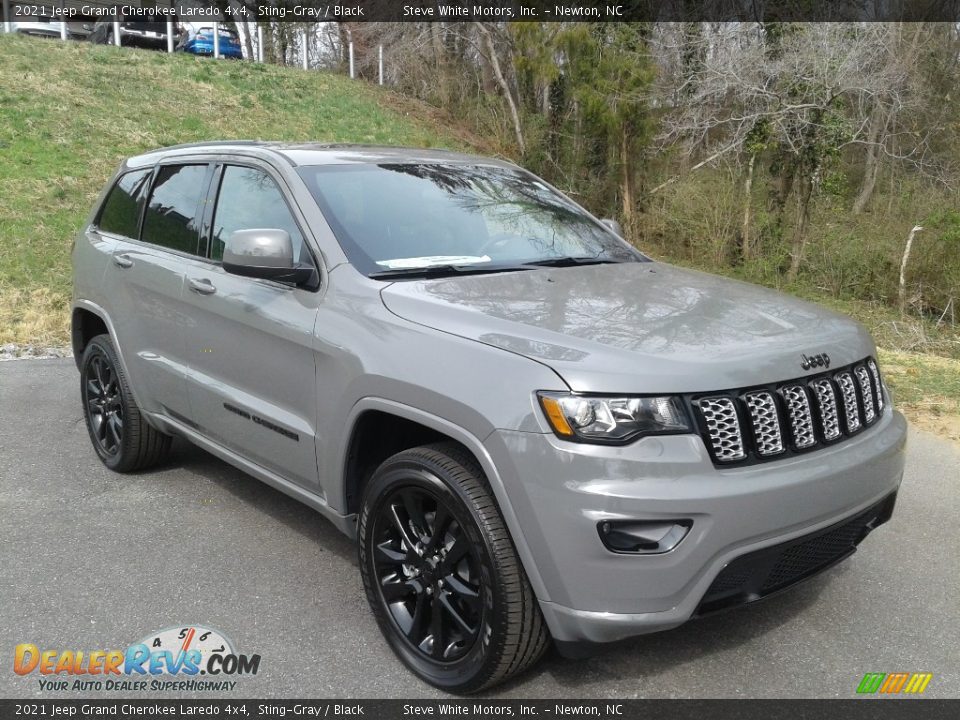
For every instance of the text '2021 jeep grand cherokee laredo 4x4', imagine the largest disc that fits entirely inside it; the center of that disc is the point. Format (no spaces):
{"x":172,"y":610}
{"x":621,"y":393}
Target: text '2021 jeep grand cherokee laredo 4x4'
{"x":533,"y":430}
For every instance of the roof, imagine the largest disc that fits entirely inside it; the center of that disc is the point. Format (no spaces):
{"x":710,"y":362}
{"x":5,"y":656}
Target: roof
{"x":315,"y":153}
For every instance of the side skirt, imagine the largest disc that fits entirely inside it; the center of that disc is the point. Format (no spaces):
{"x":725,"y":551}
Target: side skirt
{"x":344,"y":523}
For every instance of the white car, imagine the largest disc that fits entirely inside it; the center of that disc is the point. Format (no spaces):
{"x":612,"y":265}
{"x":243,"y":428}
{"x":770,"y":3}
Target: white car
{"x":41,"y":28}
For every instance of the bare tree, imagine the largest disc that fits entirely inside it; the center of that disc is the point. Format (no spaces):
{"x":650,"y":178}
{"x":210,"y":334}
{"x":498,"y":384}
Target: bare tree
{"x":490,"y":53}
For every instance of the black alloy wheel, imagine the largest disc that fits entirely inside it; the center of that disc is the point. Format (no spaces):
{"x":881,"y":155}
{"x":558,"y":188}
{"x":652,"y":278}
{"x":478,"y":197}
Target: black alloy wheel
{"x":103,"y":405}
{"x":441,"y":574}
{"x":429,"y":573}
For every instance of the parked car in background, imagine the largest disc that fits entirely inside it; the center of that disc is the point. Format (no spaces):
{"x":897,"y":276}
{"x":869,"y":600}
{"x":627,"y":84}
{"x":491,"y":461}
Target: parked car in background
{"x":200,"y":42}
{"x":39,"y":27}
{"x":147,"y":34}
{"x":45,"y":27}
{"x":80,"y":30}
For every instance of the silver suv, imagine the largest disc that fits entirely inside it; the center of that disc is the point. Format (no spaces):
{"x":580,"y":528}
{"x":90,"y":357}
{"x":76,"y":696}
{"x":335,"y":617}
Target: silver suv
{"x":533,"y":431}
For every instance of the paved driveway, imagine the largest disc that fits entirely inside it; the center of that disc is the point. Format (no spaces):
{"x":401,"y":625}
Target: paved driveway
{"x":90,"y":559}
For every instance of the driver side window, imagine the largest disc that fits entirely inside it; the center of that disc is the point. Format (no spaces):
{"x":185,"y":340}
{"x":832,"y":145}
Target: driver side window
{"x":249,"y":198}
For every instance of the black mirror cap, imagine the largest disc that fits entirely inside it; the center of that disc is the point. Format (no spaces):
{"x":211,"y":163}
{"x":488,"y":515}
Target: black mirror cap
{"x":305,"y":276}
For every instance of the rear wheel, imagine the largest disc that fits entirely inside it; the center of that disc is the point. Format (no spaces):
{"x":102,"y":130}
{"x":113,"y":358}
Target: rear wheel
{"x":441,"y":574}
{"x":120,"y":435}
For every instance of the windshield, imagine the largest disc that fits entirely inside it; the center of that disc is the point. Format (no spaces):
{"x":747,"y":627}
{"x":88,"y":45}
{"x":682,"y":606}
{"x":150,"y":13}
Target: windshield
{"x":452,"y":217}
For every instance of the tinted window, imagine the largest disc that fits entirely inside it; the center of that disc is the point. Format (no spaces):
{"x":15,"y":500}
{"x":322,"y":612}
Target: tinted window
{"x":249,"y":199}
{"x":122,"y":208}
{"x":170,"y":219}
{"x":417,"y":215}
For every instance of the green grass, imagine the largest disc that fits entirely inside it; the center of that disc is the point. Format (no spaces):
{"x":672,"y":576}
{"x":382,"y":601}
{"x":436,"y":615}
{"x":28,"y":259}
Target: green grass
{"x":70,"y":112}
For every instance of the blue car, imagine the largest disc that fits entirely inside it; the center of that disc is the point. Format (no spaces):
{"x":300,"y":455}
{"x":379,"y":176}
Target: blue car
{"x":200,"y":42}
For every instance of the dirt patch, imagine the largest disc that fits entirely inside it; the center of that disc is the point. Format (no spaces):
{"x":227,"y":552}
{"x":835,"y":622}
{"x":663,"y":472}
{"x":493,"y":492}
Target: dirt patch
{"x":926,"y":388}
{"x":944,"y":425}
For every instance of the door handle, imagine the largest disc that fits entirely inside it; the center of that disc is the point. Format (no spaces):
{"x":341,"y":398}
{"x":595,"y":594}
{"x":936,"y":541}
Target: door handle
{"x":122,"y":261}
{"x":202,"y":286}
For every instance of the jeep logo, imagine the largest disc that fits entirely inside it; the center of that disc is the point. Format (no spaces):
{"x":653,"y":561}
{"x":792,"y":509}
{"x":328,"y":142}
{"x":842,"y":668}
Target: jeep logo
{"x":821,"y":360}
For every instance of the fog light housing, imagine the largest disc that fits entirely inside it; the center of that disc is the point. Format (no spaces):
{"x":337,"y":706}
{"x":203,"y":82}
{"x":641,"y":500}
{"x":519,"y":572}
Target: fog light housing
{"x":643,"y":537}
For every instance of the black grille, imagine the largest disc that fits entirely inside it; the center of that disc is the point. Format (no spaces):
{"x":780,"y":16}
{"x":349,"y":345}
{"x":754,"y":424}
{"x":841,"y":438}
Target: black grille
{"x":774,"y":421}
{"x":760,"y":573}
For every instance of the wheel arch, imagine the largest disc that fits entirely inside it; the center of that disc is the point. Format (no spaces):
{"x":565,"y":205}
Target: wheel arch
{"x":87,"y":320}
{"x":371,"y":415}
{"x":85,"y":324}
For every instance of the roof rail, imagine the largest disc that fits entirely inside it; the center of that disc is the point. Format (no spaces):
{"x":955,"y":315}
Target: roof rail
{"x":208,"y":143}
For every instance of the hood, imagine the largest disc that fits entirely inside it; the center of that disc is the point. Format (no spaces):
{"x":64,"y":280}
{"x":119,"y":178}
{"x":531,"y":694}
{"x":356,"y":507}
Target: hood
{"x":636,"y":327}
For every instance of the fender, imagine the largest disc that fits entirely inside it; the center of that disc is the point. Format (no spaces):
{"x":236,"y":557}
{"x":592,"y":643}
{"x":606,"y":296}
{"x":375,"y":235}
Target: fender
{"x":83,"y":304}
{"x":476,"y":447}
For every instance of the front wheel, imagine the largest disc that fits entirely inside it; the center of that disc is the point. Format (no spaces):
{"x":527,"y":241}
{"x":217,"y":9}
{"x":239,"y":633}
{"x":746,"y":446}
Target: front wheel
{"x":441,"y":573}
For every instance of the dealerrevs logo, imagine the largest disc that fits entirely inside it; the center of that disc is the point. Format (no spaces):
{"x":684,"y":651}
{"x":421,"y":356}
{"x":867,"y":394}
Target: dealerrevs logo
{"x":181,"y":658}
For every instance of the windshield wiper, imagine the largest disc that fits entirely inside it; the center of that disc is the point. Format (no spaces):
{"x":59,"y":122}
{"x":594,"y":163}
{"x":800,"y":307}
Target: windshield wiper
{"x":436,"y":271}
{"x":572,"y":261}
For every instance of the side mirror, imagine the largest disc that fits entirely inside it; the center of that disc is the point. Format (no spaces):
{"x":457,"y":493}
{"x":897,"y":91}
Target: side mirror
{"x":265,"y":254}
{"x":613,"y":225}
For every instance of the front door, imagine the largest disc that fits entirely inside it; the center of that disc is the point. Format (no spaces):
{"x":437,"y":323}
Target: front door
{"x":251,"y":374}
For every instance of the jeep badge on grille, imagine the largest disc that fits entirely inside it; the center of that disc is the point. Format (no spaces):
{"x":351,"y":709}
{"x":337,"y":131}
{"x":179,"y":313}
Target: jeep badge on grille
{"x":821,"y":360}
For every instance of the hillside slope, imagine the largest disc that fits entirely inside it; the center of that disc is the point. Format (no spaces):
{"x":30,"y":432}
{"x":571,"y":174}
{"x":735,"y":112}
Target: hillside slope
{"x":70,"y":112}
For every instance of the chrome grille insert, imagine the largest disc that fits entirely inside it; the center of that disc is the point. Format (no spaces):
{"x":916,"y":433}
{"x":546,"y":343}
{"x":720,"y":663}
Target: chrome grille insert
{"x":766,"y":423}
{"x":827,"y":404}
{"x":866,"y":392}
{"x":723,"y":428}
{"x":851,"y":413}
{"x":801,"y":417}
{"x":789,"y":417}
{"x":876,"y":383}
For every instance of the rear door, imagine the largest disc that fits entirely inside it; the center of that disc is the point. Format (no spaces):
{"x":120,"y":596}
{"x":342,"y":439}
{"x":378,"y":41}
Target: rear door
{"x":251,"y":374}
{"x":146,"y":279}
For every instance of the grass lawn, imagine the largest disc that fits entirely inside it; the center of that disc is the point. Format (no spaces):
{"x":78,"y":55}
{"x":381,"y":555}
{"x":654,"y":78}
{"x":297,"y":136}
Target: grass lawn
{"x":70,"y":112}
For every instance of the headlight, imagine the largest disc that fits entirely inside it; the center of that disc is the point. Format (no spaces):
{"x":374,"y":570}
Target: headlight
{"x":613,"y":419}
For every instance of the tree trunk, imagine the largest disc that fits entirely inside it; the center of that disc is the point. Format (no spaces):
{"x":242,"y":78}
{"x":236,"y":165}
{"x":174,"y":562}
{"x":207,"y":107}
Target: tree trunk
{"x":504,"y":86}
{"x":249,"y":28}
{"x":746,"y":245}
{"x":436,"y":44}
{"x":891,"y":195}
{"x":871,"y":164}
{"x":782,"y":177}
{"x":626,"y":179}
{"x":800,"y":236}
{"x":902,"y":288}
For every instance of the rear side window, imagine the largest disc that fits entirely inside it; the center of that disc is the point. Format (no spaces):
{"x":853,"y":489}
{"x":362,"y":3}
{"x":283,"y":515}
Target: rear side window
{"x":250,"y":199}
{"x":121,"y":211}
{"x":171,"y":217}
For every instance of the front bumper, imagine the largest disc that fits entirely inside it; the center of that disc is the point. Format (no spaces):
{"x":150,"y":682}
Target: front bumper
{"x":560,"y":491}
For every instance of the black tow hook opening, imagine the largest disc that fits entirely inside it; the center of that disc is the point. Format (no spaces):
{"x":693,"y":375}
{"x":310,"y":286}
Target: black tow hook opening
{"x":643,"y":537}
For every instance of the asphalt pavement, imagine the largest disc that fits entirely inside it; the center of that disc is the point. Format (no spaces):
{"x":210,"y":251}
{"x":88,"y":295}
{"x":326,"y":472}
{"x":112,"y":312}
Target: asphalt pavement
{"x":94,"y":560}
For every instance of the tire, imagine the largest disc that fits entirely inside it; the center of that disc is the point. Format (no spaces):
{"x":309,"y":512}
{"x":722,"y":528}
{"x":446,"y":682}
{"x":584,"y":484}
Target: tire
{"x":433,"y":543}
{"x":120,"y":435}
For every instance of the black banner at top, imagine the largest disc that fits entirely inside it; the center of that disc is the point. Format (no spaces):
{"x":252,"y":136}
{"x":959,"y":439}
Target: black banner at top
{"x":518,"y":10}
{"x":627,"y":11}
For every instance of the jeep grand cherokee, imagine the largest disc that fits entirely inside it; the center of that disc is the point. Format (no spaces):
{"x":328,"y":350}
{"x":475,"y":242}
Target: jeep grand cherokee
{"x":533,"y":431}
